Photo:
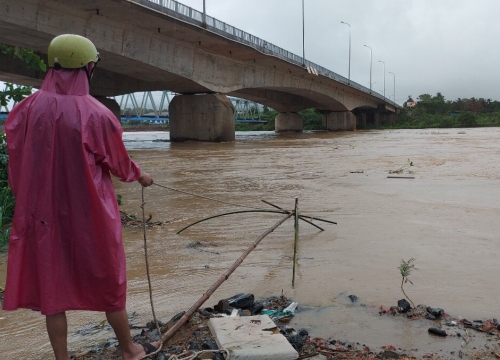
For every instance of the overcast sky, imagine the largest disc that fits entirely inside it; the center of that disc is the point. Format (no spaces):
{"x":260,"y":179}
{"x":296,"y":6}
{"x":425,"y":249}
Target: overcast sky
{"x":447,"y":46}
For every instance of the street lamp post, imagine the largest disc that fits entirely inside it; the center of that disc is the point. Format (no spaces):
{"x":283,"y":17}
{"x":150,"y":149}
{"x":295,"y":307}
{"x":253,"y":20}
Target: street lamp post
{"x":303,"y":36}
{"x":371,"y":58}
{"x":204,"y":15}
{"x":349,"y":74}
{"x":394,"y":85}
{"x":384,"y":75}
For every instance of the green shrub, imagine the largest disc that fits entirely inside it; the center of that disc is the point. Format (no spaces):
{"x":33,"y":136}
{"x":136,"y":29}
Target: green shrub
{"x":7,"y":201}
{"x":467,"y":119}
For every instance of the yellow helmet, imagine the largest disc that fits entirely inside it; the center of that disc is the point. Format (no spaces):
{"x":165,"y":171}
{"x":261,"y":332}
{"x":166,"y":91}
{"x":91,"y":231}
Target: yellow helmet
{"x":70,"y":51}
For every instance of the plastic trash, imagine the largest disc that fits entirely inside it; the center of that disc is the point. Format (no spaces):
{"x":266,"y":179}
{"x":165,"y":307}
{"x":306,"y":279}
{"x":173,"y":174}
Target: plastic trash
{"x":437,"y":332}
{"x":284,"y":315}
{"x":291,"y":307}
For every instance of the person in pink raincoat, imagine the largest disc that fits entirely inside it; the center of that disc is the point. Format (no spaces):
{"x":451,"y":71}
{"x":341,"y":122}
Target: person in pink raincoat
{"x":66,"y":250}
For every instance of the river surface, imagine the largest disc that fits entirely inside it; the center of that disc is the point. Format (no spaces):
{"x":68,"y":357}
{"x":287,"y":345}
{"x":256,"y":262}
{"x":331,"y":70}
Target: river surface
{"x":447,"y":218}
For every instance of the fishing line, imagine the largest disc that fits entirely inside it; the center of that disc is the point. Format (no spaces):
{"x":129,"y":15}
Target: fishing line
{"x":202,"y":197}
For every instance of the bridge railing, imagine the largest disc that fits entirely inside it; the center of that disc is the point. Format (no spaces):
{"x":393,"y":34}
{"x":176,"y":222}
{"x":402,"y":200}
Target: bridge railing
{"x":186,"y":13}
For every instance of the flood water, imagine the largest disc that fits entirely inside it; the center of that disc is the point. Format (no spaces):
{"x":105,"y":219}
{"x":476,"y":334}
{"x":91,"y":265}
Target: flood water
{"x":447,"y":218}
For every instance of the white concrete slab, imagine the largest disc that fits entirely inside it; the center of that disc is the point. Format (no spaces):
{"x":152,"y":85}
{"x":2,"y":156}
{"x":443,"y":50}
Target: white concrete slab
{"x":251,"y":337}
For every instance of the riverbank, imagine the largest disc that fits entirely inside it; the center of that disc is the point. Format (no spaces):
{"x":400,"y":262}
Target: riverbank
{"x":143,"y":127}
{"x":459,"y":338}
{"x":466,"y":339}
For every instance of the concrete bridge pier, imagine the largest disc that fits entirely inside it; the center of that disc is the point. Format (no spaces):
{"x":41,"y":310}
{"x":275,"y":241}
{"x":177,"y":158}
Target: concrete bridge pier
{"x":386,"y":118}
{"x":361,"y":120}
{"x":111,"y":104}
{"x":338,"y":121}
{"x":288,"y":121}
{"x":204,"y":117}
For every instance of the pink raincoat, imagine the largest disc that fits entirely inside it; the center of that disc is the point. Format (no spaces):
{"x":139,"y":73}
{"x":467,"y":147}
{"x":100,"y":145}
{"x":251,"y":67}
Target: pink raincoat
{"x":66,"y":250}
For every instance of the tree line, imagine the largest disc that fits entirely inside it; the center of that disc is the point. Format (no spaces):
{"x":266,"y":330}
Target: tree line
{"x":427,"y":111}
{"x":430,"y":111}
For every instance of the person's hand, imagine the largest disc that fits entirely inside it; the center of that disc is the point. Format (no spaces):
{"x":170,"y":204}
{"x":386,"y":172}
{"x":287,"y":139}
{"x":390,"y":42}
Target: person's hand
{"x":145,"y":180}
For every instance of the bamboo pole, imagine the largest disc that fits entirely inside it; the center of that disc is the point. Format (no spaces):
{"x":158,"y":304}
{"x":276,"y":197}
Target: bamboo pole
{"x":288,"y":212}
{"x":296,"y":214}
{"x":276,"y":206}
{"x":310,"y":222}
{"x":231,"y":213}
{"x":223,"y":278}
{"x":327,"y":221}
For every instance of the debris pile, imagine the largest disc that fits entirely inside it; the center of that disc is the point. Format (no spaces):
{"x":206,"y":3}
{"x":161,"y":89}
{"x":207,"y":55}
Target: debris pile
{"x":195,"y":336}
{"x":132,"y":220}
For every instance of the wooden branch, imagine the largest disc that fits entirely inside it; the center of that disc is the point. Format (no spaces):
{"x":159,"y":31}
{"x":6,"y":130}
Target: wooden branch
{"x":296,"y":226}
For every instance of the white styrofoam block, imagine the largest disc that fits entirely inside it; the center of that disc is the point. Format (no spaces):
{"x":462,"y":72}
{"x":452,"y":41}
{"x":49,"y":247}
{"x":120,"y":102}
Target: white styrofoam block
{"x":251,"y":337}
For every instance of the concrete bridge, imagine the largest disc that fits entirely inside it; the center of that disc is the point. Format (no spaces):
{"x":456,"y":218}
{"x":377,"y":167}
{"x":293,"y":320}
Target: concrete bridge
{"x":164,"y":45}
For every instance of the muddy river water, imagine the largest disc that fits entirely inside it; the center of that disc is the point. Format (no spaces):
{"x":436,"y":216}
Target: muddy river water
{"x":447,"y":218}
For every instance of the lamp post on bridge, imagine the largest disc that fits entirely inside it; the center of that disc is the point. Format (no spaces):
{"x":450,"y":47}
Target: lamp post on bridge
{"x":349,"y":73}
{"x":204,"y":15}
{"x":371,"y":60}
{"x":384,"y":75}
{"x":303,"y":37}
{"x":394,"y":85}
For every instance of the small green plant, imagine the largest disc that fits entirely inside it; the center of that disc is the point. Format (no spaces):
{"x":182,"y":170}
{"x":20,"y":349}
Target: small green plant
{"x":406,"y":268}
{"x":407,"y":166}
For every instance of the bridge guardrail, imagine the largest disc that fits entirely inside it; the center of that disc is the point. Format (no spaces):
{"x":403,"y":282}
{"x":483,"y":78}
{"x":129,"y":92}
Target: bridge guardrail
{"x":186,"y":13}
